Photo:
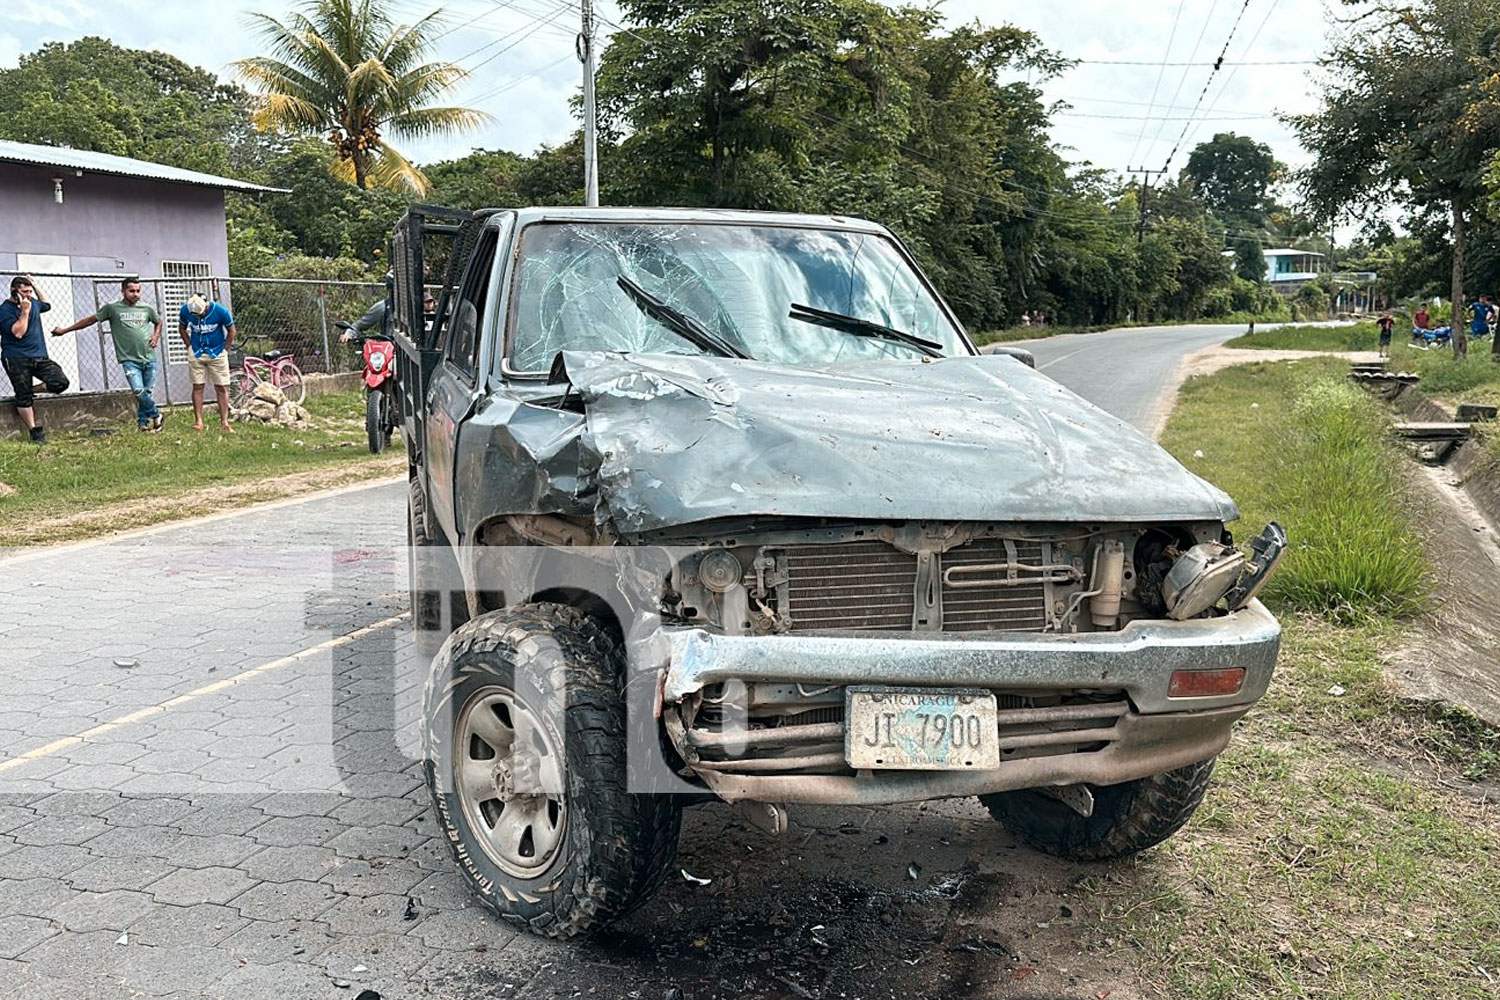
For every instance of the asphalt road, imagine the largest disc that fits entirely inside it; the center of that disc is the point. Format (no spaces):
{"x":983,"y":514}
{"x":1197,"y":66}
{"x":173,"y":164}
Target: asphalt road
{"x":209,"y":787}
{"x":1124,"y":371}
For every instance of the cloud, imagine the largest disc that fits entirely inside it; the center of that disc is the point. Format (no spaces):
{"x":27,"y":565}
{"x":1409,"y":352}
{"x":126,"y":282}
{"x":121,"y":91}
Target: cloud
{"x":10,"y":51}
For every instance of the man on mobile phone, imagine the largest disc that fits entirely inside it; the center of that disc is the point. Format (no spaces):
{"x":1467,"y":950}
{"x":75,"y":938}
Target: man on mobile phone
{"x":23,"y":351}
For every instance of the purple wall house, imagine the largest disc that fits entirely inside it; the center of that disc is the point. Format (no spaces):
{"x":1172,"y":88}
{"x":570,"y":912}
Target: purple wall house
{"x":71,"y":213}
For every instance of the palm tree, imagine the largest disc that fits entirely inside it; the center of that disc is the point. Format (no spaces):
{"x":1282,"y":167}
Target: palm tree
{"x":347,"y":70}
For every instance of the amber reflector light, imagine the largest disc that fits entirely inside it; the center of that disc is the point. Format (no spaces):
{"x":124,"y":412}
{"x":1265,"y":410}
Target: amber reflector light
{"x":1205,"y":683}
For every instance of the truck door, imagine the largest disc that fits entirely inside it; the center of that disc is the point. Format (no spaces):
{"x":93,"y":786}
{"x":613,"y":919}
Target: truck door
{"x":456,"y":383}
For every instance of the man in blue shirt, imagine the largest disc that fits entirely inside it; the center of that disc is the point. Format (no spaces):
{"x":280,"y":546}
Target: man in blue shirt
{"x":23,"y":351}
{"x":1479,"y":326}
{"x":208,"y":333}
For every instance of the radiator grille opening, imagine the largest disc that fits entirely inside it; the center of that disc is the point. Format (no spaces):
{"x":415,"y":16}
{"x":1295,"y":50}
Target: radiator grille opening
{"x":872,"y":585}
{"x":859,"y":585}
{"x":1020,"y":607}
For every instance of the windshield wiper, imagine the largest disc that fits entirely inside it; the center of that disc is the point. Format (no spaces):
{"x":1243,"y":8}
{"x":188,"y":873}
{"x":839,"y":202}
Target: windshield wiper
{"x":864,"y":328}
{"x":679,"y":322}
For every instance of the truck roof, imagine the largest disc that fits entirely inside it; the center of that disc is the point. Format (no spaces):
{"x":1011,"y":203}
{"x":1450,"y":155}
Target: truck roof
{"x":579,"y":213}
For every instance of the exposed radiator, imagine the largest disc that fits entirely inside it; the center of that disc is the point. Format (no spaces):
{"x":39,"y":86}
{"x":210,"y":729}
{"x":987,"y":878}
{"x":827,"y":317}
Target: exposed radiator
{"x":860,"y":585}
{"x":973,"y":599}
{"x":989,"y":584}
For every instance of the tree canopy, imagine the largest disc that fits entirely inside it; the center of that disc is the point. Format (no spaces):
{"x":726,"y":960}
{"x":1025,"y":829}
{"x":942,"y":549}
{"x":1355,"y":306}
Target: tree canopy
{"x":91,"y":94}
{"x":1233,"y":175}
{"x":1404,"y":116}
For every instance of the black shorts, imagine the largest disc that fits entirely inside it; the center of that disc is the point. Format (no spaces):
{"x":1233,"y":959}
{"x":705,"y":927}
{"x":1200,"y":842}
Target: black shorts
{"x":1385,"y":338}
{"x":21,"y":371}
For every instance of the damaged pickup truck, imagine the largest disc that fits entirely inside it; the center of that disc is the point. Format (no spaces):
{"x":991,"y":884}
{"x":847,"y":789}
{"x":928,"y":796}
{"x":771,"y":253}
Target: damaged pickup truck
{"x":711,"y":504}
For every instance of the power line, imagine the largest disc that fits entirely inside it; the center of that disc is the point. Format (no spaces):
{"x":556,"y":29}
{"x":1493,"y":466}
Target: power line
{"x":1137,"y":62}
{"x":536,"y":25}
{"x":1150,"y":107}
{"x":1183,"y":78}
{"x":1230,"y":78}
{"x":512,"y":84}
{"x":1071,"y":100}
{"x":1217,"y":63}
{"x":526,"y":30}
{"x":1238,"y":117}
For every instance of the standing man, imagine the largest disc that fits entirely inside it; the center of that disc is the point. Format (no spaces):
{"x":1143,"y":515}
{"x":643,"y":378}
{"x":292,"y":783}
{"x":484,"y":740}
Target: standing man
{"x":23,"y":351}
{"x":208,"y":334}
{"x":1420,"y":320}
{"x":1479,"y":326}
{"x":136,"y":330}
{"x":1387,"y":322}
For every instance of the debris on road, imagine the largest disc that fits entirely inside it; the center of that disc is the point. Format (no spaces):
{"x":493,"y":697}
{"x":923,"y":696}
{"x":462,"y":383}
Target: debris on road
{"x":695,"y":879}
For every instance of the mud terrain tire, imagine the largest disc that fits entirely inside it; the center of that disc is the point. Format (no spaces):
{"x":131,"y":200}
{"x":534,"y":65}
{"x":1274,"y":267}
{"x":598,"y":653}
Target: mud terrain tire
{"x":554,"y":672}
{"x":1128,"y":817}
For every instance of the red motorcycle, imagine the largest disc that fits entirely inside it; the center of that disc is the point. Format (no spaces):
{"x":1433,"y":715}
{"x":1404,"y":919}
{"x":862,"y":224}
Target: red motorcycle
{"x":380,"y":386}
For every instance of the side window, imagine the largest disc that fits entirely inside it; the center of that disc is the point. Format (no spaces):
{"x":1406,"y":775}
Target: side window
{"x":468,"y":311}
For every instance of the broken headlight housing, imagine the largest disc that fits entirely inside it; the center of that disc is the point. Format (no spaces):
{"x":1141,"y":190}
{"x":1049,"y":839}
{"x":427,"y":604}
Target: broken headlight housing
{"x":1210,"y":572}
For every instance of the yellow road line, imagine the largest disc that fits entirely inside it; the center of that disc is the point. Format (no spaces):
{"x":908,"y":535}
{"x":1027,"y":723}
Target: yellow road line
{"x":182,"y":699}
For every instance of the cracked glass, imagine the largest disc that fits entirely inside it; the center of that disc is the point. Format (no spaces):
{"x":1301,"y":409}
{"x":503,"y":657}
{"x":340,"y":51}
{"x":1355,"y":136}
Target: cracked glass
{"x":738,"y":281}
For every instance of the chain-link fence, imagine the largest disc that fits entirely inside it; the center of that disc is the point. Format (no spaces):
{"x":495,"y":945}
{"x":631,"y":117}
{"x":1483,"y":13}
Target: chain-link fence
{"x":295,"y":316}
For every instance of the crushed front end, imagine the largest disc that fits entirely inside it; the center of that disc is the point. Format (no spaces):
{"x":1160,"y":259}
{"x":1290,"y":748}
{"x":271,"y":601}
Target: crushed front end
{"x":871,"y":663}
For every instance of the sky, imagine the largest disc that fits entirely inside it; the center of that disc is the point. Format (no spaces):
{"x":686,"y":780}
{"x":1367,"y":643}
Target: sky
{"x":523,"y":70}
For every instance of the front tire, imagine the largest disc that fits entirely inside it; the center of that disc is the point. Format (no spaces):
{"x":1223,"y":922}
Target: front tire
{"x":374,"y":421}
{"x":526,"y":763}
{"x":289,"y":381}
{"x":1128,"y":817}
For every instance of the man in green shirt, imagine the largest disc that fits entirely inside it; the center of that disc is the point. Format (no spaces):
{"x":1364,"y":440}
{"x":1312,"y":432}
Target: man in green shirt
{"x":136,"y":329}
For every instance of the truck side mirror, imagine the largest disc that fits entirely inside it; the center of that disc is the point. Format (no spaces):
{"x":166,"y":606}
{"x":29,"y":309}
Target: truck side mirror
{"x":1021,"y":354}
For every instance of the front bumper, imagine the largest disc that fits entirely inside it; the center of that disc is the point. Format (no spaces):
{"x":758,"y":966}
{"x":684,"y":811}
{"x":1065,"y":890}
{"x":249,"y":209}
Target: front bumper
{"x":1138,"y":659}
{"x":1158,"y":733}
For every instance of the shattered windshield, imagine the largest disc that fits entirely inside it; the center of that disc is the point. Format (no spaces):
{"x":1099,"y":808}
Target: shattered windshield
{"x":739,"y":282}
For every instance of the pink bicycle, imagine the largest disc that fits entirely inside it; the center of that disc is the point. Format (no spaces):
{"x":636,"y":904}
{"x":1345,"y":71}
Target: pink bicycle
{"x":273,"y":368}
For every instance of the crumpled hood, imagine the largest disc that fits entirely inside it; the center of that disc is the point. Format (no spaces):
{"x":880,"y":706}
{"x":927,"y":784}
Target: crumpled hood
{"x":680,"y":439}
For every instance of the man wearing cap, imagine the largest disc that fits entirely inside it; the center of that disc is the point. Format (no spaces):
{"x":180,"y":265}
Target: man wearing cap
{"x":23,"y":351}
{"x":208,"y":333}
{"x":136,"y":329}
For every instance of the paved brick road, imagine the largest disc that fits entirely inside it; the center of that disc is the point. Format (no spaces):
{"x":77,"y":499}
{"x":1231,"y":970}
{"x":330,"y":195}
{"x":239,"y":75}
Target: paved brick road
{"x":239,"y":812}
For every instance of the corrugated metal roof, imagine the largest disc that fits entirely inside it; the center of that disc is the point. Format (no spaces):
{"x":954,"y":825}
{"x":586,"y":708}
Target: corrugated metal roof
{"x":122,"y":166}
{"x":1290,"y":252}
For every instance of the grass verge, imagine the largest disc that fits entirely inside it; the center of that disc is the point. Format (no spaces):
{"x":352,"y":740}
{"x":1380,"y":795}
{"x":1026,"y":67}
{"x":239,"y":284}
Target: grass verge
{"x":79,"y":485}
{"x":1358,"y":337}
{"x":1476,"y":379}
{"x":1298,"y":443}
{"x":1015,"y":333}
{"x":1341,"y":851}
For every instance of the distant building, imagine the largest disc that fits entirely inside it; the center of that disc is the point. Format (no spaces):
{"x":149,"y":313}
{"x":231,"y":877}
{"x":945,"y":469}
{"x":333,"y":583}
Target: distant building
{"x":1287,"y":269}
{"x":100,"y":218}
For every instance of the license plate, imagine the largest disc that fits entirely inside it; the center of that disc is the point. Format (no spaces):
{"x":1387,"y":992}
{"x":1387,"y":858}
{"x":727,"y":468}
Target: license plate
{"x":923,"y":729}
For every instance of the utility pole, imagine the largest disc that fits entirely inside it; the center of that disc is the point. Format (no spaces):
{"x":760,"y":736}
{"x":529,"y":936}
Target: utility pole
{"x":590,"y":141}
{"x":1140,"y":229}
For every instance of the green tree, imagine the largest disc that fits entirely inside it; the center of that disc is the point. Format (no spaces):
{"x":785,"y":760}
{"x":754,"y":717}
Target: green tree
{"x":1416,"y":137}
{"x":347,"y":70}
{"x":1233,"y":175}
{"x":1249,"y":260}
{"x":484,"y":179}
{"x":92,"y":94}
